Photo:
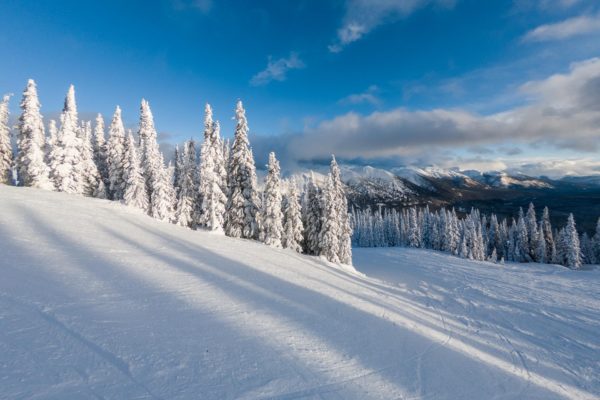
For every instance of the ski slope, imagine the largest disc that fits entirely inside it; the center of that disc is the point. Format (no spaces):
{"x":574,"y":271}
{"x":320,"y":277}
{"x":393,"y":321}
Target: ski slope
{"x":98,"y":301}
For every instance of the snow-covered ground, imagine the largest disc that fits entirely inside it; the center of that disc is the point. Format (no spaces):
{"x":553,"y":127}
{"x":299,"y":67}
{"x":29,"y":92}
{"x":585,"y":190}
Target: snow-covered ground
{"x":99,"y":301}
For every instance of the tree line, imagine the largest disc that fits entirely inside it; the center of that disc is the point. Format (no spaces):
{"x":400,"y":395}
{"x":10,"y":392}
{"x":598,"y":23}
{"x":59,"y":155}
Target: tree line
{"x":214,"y":189}
{"x":478,"y":237}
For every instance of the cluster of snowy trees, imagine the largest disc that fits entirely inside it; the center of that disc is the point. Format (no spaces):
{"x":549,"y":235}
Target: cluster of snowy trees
{"x":478,"y":237}
{"x":216,"y":190}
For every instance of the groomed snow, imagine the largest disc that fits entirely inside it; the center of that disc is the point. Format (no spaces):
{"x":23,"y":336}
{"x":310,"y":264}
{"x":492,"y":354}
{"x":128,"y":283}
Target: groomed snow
{"x":99,"y":301}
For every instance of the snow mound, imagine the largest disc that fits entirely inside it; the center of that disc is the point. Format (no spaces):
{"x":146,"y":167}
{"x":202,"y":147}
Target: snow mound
{"x":99,"y":301}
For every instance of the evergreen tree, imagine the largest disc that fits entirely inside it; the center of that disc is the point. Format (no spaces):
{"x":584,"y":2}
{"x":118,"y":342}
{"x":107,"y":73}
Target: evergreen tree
{"x":242,"y":200}
{"x":187,"y":196}
{"x":341,"y":202}
{"x":271,"y":227}
{"x":6,"y":153}
{"x":30,"y":161}
{"x":532,"y":232}
{"x":93,"y":185}
{"x":587,"y":249}
{"x":100,"y":151}
{"x":212,"y":182}
{"x":330,"y":229}
{"x":546,"y":233}
{"x":178,"y":167}
{"x":212,"y":176}
{"x":414,"y":235}
{"x":51,"y":141}
{"x":152,"y":160}
{"x":162,"y":199}
{"x":116,"y":156}
{"x":541,"y":250}
{"x":135,"y":194}
{"x":521,"y":240}
{"x":67,"y":169}
{"x":292,"y":220}
{"x":312,"y":217}
{"x":572,"y":249}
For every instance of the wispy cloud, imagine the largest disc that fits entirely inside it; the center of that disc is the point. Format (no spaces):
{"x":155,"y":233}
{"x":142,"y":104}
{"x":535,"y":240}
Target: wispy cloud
{"x":276,"y":70}
{"x":362,"y":16}
{"x":576,"y":26}
{"x":560,"y":113}
{"x":369,"y":96}
{"x":544,"y":5}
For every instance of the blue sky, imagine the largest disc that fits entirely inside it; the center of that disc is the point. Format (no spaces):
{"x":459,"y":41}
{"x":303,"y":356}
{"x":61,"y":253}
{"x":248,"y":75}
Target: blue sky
{"x":383,"y":82}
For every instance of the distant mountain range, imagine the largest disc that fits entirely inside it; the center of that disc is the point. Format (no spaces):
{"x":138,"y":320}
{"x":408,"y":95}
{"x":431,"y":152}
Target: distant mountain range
{"x":498,"y":192}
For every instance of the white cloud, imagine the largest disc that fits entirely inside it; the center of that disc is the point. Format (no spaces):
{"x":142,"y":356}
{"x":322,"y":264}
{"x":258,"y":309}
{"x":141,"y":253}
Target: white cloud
{"x":557,"y":168}
{"x":277,"y":70}
{"x":568,"y":28}
{"x":368,"y":96}
{"x":561,"y":113}
{"x":362,"y":16}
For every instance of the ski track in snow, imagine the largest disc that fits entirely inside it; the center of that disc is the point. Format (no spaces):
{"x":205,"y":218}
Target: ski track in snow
{"x":99,"y":301}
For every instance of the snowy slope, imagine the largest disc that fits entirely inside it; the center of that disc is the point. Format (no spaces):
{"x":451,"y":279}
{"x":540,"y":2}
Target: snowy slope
{"x":100,"y":301}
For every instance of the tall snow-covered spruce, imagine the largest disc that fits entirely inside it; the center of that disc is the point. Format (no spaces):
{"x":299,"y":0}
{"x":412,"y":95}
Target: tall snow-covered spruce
{"x":115,"y":157}
{"x":100,"y":151}
{"x":93,"y":185}
{"x":242,"y":199}
{"x":6,"y":153}
{"x":135,"y":194}
{"x":187,"y":194}
{"x":292,"y":220}
{"x":271,"y":219}
{"x":341,"y":203}
{"x":159,"y":184}
{"x":30,"y":161}
{"x":571,"y":243}
{"x":67,"y":167}
{"x":212,"y":176}
{"x":329,"y":237}
{"x":312,"y":210}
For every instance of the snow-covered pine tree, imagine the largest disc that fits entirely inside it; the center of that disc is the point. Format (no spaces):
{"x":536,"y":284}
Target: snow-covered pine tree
{"x":292,"y":220}
{"x":271,"y":227}
{"x":67,"y":170}
{"x":135,"y":194}
{"x":51,"y":141}
{"x":587,"y":249}
{"x":100,"y":151}
{"x":522,"y":240}
{"x":414,"y":235}
{"x":187,"y":196}
{"x":532,"y":231}
{"x":546,"y":232}
{"x":148,"y":145}
{"x":177,"y":168}
{"x":116,"y":156}
{"x":6,"y":153}
{"x":341,"y":204}
{"x":330,"y":234}
{"x":212,"y":181}
{"x":572,"y":249}
{"x":242,"y":199}
{"x":93,"y":185}
{"x":30,"y":160}
{"x":162,"y":199}
{"x":312,"y":217}
{"x":541,"y":251}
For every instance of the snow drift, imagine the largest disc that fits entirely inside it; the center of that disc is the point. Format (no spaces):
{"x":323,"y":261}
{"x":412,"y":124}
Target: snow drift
{"x":98,"y":300}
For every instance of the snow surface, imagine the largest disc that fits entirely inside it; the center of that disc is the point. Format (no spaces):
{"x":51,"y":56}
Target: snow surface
{"x":100,"y":301}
